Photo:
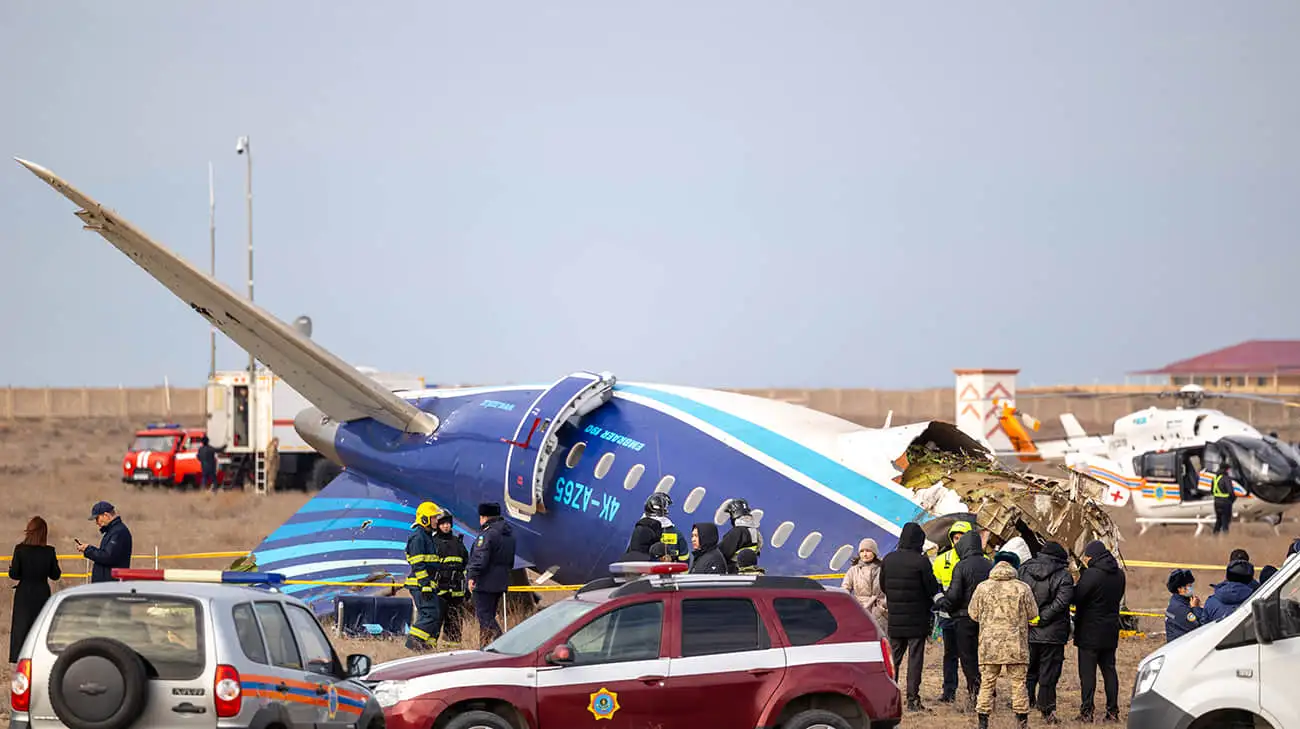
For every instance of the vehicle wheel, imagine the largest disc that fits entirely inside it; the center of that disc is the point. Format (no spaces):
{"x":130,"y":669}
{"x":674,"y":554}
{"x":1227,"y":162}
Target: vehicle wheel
{"x":481,"y":720}
{"x":816,"y":719}
{"x":99,"y":683}
{"x":322,"y":472}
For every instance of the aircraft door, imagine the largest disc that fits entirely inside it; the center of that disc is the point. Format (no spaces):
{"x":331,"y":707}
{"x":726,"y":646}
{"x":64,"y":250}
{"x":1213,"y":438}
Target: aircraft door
{"x":537,"y":436}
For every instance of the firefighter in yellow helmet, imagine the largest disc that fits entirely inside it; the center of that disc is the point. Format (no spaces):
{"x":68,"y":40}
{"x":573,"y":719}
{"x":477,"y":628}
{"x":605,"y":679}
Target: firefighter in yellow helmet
{"x":943,"y":566}
{"x":422,"y":555}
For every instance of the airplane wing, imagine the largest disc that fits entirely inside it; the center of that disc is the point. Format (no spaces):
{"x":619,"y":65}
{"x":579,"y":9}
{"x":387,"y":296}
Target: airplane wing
{"x":338,"y":389}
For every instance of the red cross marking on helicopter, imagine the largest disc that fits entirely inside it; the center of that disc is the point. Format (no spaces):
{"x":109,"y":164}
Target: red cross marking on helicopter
{"x":1116,"y":494}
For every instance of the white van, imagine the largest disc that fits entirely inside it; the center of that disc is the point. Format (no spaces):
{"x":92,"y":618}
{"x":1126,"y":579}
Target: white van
{"x":1240,"y":672}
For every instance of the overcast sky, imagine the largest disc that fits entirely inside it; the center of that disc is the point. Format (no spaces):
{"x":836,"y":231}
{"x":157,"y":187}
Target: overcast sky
{"x":749,"y":194}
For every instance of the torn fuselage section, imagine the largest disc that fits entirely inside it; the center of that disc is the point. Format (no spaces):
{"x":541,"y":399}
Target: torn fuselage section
{"x":955,"y":478}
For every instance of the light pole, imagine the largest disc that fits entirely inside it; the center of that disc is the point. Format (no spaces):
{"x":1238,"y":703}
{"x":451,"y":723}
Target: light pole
{"x":243,"y":147}
{"x":212,"y":252}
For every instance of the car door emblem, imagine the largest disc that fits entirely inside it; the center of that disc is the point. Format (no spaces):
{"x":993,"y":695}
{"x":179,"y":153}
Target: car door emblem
{"x":604,"y":703}
{"x":92,"y":689}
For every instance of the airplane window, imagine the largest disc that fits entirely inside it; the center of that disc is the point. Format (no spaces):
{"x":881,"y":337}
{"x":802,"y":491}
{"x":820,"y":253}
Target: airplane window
{"x":693,"y":500}
{"x":809,"y":543}
{"x":575,"y":454}
{"x":633,"y":476}
{"x":605,"y":463}
{"x":665,"y":483}
{"x":782,"y":533}
{"x":758,"y":516}
{"x":720,"y":516}
{"x":842,"y":555}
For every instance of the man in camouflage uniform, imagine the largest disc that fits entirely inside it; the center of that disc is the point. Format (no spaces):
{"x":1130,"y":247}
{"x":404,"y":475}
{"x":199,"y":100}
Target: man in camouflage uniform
{"x":1003,"y":607}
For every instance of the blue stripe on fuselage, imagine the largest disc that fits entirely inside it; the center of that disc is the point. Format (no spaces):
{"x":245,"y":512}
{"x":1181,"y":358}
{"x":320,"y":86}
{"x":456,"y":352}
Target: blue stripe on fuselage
{"x":880,"y":500}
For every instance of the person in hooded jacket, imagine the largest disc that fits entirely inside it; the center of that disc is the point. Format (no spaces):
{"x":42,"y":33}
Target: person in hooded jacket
{"x":1232,"y":592}
{"x":1048,"y":577}
{"x":910,"y":591}
{"x":863,"y":581}
{"x":1097,"y":597}
{"x":1004,"y":607}
{"x":972,"y":569}
{"x":944,"y":564}
{"x":706,"y":558}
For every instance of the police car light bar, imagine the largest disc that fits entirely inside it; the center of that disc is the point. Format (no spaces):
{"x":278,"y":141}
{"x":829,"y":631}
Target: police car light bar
{"x":647,"y":568}
{"x":162,"y":426}
{"x":217,"y":576}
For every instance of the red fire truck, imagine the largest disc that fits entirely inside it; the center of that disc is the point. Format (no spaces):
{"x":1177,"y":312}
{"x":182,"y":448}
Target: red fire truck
{"x":166,"y":454}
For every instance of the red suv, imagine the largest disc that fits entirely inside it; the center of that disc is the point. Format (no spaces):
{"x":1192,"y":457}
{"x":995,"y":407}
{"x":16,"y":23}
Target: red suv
{"x":662,"y":650}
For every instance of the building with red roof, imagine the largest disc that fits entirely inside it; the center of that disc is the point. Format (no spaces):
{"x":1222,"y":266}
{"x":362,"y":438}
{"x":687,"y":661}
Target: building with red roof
{"x":1256,"y":363}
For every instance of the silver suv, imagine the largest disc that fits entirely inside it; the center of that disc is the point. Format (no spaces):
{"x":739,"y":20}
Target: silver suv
{"x":164,"y":654}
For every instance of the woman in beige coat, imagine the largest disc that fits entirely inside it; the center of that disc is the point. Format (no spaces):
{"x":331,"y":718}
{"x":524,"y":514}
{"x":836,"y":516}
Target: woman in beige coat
{"x":863,"y":580}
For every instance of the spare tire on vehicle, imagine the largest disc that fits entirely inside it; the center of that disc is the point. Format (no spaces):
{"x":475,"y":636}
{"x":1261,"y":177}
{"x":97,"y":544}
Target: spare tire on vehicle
{"x":99,"y":683}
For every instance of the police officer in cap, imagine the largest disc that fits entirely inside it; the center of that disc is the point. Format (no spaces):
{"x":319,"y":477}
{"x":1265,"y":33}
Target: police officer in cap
{"x":743,"y":536}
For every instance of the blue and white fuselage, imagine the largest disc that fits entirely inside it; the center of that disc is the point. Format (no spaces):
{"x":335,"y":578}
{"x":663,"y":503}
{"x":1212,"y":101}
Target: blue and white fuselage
{"x":818,"y":484}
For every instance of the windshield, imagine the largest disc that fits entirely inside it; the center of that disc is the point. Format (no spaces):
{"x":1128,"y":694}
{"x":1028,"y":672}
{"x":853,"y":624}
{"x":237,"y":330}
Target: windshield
{"x":541,"y":627}
{"x":153,"y":443}
{"x":165,"y":631}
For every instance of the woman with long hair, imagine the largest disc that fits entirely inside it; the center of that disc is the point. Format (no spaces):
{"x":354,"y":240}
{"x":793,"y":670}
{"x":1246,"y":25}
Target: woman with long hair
{"x":34,"y":564}
{"x":863,"y":580}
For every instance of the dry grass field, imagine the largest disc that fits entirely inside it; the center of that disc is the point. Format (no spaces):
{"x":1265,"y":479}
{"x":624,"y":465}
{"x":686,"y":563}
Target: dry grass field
{"x":58,"y":469}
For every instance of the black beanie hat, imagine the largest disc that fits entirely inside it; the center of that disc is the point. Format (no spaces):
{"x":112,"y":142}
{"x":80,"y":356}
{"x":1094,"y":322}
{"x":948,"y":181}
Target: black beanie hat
{"x":490,"y":508}
{"x":1052,"y":549}
{"x":1094,"y":550}
{"x":1241,"y":571}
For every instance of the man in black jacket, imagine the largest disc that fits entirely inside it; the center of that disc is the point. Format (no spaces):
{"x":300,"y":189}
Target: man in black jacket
{"x":911,"y":588}
{"x":114,"y":548}
{"x":489,"y":568}
{"x":1097,"y":598}
{"x":706,"y":558}
{"x":972,"y":569}
{"x":1048,"y":577}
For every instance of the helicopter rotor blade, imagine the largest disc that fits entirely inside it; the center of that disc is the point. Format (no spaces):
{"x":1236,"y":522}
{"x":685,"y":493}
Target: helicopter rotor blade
{"x":1253,"y":398}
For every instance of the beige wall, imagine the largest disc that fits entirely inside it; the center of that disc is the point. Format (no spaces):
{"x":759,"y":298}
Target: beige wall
{"x":863,"y":406}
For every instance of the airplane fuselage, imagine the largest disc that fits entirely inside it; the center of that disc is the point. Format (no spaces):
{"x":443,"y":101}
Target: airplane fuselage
{"x":813,"y":508}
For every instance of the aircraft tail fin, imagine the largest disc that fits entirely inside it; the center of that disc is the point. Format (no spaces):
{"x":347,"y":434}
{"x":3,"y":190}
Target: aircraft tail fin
{"x":338,"y":389}
{"x":1072,"y":427}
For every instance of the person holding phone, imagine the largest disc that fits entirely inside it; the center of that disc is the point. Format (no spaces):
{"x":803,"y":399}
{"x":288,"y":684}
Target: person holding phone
{"x":114,"y":548}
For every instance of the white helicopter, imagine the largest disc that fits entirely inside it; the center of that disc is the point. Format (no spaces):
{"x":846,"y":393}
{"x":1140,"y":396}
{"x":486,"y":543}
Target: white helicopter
{"x":1161,"y":458}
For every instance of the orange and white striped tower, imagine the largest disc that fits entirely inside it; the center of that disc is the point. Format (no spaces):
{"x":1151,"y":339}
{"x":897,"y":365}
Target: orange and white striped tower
{"x":977,"y":416}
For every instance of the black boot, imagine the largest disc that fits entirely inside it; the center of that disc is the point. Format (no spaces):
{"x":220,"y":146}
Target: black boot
{"x":1022,"y":721}
{"x":984,"y":721}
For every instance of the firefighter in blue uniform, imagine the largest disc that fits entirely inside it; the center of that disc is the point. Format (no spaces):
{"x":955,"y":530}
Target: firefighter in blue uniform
{"x":449,"y":579}
{"x":422,"y":556}
{"x":1224,"y":496}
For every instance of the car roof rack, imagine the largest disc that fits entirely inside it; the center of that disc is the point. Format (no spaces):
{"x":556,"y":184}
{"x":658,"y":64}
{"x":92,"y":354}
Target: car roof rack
{"x":631,"y":578}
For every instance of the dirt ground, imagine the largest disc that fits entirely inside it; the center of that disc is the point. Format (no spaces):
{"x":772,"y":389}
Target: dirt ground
{"x":58,"y":469}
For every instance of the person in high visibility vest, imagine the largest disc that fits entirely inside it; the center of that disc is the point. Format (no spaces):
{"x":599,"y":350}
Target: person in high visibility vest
{"x":422,"y":556}
{"x":943,"y":566}
{"x":1224,"y":496}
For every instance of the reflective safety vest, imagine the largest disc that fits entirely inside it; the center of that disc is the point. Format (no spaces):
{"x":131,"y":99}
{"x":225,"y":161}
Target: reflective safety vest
{"x":674,"y":544}
{"x":944,"y":565}
{"x":1219,"y":491}
{"x":422,"y":556}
